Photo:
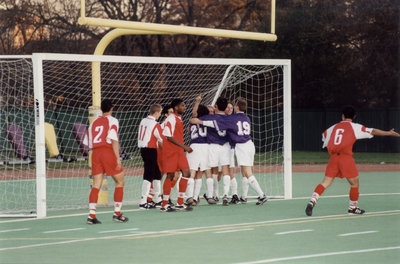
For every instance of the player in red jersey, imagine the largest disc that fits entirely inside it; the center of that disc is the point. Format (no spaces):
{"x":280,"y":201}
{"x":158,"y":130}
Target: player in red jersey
{"x":102,"y":138}
{"x":149,"y":140}
{"x":174,"y":158}
{"x":339,"y":139}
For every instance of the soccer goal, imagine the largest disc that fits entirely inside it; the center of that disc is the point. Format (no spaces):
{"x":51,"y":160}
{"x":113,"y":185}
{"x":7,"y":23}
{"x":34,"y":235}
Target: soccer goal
{"x":57,"y":89}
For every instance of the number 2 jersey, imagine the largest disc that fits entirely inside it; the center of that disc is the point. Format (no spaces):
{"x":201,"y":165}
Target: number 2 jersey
{"x":340,"y":138}
{"x":101,"y":131}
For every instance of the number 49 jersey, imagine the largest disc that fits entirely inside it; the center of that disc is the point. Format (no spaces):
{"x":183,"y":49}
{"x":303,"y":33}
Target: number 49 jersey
{"x":340,"y":138}
{"x":100,"y":133}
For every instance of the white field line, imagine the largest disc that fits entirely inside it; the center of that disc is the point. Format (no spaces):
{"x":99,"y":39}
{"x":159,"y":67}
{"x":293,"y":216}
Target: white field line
{"x":294,"y":231}
{"x":320,"y":255}
{"x":192,"y":229}
{"x":13,"y":230}
{"x":63,"y":230}
{"x":119,"y":230}
{"x":139,"y":210}
{"x":358,"y":233}
{"x":234,"y":230}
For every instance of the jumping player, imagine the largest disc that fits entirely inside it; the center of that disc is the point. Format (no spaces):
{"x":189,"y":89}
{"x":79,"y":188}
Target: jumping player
{"x":102,"y":138}
{"x":149,"y":139}
{"x":339,"y":139}
{"x":174,"y":158}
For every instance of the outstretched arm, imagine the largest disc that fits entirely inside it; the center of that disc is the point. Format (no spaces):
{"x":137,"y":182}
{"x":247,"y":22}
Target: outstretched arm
{"x":196,"y":106}
{"x":378,"y":132}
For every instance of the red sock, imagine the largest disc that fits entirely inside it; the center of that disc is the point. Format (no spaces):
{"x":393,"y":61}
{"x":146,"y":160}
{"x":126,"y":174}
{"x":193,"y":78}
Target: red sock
{"x":93,"y":197}
{"x":173,"y":183}
{"x":354,"y":194}
{"x":166,"y":191}
{"x":182,"y":189}
{"x":319,"y":189}
{"x":118,"y":197}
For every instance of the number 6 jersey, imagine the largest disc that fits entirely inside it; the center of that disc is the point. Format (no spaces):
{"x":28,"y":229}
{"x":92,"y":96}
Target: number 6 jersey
{"x":340,"y":138}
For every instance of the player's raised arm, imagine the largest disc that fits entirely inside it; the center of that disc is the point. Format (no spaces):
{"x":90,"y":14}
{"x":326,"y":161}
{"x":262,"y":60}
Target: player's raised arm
{"x":378,"y":132}
{"x":196,"y":105}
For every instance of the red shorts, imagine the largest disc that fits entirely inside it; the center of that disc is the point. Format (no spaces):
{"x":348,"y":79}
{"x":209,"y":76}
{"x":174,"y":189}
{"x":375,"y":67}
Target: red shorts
{"x":174,"y":161}
{"x":342,"y":166}
{"x":104,"y":161}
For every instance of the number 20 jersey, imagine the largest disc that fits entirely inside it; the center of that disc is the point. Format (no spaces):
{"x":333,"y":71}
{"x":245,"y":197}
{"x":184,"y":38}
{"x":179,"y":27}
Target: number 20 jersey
{"x":340,"y":138}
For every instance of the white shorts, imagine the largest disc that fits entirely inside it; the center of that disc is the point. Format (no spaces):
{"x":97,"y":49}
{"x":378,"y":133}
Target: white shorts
{"x":219,"y":155}
{"x":232,"y":158}
{"x":199,"y":157}
{"x":245,"y":153}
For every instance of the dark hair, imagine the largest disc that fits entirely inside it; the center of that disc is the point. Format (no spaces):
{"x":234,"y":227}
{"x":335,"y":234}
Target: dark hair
{"x":165,"y":109}
{"x":349,"y":112}
{"x":176,"y":102}
{"x":106,"y":105}
{"x":202,"y":110}
{"x":222,"y":103}
{"x":242,"y":104}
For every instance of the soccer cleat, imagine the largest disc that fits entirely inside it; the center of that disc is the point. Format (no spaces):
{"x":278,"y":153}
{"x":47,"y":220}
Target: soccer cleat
{"x":225,"y":201}
{"x":356,"y":211}
{"x":183,"y":207}
{"x":144,"y":206}
{"x":157,"y":205}
{"x":243,"y":200}
{"x":216,"y":198}
{"x":309,"y":208}
{"x":190,"y":201}
{"x":167,"y":209}
{"x":120,"y":218}
{"x":235,"y":199}
{"x":151,"y":205}
{"x":92,"y":221}
{"x":261,"y":200}
{"x":170,"y":202}
{"x":211,"y":201}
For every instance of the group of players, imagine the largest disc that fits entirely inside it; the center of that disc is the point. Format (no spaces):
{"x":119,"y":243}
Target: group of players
{"x":214,"y":142}
{"x":217,"y":135}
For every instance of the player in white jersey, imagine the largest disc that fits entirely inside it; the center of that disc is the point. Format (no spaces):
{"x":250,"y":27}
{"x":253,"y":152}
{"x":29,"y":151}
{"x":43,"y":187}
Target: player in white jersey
{"x":149,"y":139}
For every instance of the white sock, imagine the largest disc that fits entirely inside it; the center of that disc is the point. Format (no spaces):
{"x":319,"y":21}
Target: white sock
{"x":190,"y":188}
{"x":353,"y":204}
{"x":156,"y":191}
{"x":145,"y":191}
{"x":256,"y":187}
{"x":197,"y":187}
{"x":245,"y":187}
{"x":210,"y":187}
{"x":227,"y":184}
{"x":216,"y":187}
{"x":314,"y":198}
{"x":234,"y":186}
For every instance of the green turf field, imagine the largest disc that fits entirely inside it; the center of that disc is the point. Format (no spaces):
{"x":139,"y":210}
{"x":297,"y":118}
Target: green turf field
{"x":277,"y":232}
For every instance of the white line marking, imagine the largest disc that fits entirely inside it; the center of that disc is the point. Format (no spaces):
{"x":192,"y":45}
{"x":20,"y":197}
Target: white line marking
{"x":63,"y":230}
{"x":119,"y":230}
{"x":234,"y":230}
{"x":294,"y":231}
{"x":186,"y":230}
{"x":139,"y":210}
{"x":320,"y":255}
{"x":358,"y":233}
{"x":13,"y":230}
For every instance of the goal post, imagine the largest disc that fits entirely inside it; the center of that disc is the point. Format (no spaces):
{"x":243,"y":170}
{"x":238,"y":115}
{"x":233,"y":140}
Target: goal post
{"x":57,"y":89}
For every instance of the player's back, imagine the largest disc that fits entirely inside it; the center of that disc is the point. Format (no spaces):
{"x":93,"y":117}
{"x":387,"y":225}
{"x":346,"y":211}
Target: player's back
{"x":198,"y":134}
{"x":147,"y":127}
{"x":340,"y":138}
{"x":102,"y":130}
{"x":239,"y":130}
{"x":215,"y":135}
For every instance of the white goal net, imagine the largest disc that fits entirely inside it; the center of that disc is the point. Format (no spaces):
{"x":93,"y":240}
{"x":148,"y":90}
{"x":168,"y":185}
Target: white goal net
{"x":133,"y":84}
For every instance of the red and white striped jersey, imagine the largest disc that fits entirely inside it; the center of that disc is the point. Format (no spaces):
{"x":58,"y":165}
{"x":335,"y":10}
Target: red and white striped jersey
{"x":173,"y":128}
{"x":102,"y":130}
{"x":341,"y":137}
{"x":149,"y":133}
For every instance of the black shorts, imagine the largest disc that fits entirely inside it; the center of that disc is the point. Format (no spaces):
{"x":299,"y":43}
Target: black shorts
{"x":151,"y":169}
